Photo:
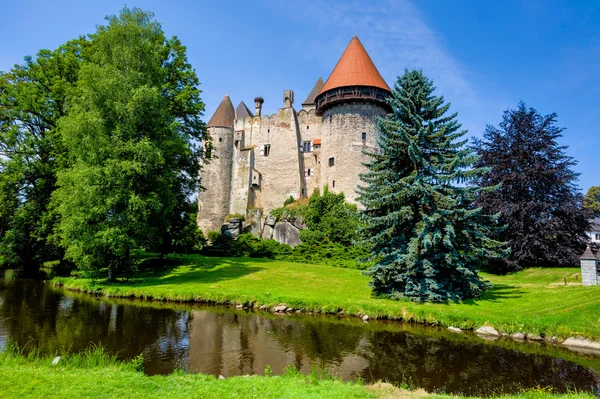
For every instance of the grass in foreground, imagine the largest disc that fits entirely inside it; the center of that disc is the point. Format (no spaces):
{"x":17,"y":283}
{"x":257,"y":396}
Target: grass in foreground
{"x":531,"y":301}
{"x":95,"y":374}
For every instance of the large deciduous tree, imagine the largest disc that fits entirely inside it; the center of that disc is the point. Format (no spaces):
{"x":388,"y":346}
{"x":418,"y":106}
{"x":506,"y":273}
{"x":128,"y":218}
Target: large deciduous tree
{"x":538,"y":199}
{"x":591,"y":201}
{"x":427,"y":238}
{"x":32,"y":101}
{"x":133,"y":134}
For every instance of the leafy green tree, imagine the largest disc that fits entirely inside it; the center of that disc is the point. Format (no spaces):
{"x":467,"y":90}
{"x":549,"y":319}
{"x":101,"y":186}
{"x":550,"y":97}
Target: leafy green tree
{"x":330,"y":217}
{"x":427,"y":238}
{"x":538,"y":198}
{"x":32,"y":101}
{"x":133,"y":134}
{"x":591,"y":201}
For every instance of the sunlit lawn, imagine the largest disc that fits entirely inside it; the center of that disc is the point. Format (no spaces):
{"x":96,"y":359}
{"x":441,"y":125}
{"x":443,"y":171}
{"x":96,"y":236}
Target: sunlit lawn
{"x":533,"y":301}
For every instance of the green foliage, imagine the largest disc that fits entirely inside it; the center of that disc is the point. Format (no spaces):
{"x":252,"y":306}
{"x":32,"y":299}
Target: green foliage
{"x":289,"y":200}
{"x":33,"y":98}
{"x":427,"y":239}
{"x":235,"y":216}
{"x":330,"y":216}
{"x":133,"y":134}
{"x":591,"y":202}
{"x":311,"y":251}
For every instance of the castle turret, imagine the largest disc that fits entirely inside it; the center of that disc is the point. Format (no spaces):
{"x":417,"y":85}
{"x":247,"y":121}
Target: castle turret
{"x":352,"y":98}
{"x":215,"y":177}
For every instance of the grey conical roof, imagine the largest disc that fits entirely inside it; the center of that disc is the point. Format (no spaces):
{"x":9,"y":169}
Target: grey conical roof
{"x":588,"y":254}
{"x":242,"y":111}
{"x":224,"y":115}
{"x":310,"y":100}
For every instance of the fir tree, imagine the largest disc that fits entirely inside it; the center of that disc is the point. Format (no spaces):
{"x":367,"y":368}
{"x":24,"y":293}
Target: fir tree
{"x":426,"y":236}
{"x":539,"y":199}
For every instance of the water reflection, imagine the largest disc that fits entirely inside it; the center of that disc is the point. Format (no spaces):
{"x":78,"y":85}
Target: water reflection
{"x":221,"y":342}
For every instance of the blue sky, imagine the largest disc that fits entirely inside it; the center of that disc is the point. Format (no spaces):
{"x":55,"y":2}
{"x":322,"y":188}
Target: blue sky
{"x":484,"y":56}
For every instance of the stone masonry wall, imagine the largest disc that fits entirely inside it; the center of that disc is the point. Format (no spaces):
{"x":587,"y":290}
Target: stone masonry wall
{"x":342,"y":129}
{"x":213,"y":202}
{"x":279,"y":167}
{"x":261,"y":162}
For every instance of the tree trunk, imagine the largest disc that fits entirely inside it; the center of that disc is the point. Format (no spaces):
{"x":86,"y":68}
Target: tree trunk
{"x":112,"y":272}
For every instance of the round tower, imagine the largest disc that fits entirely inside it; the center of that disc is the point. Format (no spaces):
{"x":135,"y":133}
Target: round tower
{"x":215,"y":177}
{"x":349,"y":103}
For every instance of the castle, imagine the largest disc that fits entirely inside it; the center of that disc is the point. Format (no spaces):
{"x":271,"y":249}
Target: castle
{"x":262,"y":160}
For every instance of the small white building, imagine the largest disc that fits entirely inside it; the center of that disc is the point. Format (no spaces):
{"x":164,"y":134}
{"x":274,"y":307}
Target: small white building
{"x":594,"y":234}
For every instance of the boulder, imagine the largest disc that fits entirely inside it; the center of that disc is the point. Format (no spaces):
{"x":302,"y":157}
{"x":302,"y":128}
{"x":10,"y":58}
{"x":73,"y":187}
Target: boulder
{"x":518,"y":336}
{"x":581,"y":343}
{"x":286,"y":233}
{"x":280,"y":308}
{"x":534,"y":337}
{"x":455,"y":330}
{"x":267,"y":232}
{"x":270,"y":220}
{"x":487,"y":331}
{"x":365,"y":318}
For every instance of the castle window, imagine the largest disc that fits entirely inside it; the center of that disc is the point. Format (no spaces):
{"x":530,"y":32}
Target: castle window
{"x":306,"y":146}
{"x":331,"y":161}
{"x":220,"y":139}
{"x":333,"y":184}
{"x":309,"y":172}
{"x":330,"y":118}
{"x":364,"y":137}
{"x":266,"y":150}
{"x":307,"y":127}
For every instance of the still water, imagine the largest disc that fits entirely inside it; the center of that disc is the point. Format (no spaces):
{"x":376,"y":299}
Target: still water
{"x":221,"y":341}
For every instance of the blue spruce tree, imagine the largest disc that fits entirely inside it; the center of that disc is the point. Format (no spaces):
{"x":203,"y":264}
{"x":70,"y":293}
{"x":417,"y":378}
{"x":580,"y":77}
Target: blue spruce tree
{"x":427,"y":237}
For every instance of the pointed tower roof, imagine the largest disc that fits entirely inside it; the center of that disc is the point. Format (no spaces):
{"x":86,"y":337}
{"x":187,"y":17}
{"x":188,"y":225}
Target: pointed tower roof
{"x":355,"y":68}
{"x":242,"y":111}
{"x":310,"y":100}
{"x":588,"y":254}
{"x":224,"y":115}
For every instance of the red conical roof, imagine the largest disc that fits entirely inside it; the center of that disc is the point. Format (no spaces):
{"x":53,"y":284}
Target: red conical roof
{"x":224,"y":115}
{"x":355,"y":68}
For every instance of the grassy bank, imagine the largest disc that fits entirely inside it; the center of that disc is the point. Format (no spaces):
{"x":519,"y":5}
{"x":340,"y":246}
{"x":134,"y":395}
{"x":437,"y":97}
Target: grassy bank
{"x":533,"y":301}
{"x":97,"y":375}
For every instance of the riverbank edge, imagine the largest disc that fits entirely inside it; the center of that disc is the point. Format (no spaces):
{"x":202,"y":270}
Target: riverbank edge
{"x":96,"y":373}
{"x":485,"y":331}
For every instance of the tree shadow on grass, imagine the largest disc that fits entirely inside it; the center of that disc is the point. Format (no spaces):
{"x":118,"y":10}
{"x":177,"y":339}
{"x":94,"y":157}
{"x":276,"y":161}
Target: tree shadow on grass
{"x":498,"y":293}
{"x":202,"y":270}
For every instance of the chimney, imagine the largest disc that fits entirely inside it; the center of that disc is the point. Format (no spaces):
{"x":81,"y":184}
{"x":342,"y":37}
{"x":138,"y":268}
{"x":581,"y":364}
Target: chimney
{"x":258,"y":102}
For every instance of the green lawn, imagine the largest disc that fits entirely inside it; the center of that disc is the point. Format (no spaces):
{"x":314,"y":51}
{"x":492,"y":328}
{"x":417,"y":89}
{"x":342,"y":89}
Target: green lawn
{"x":97,"y":375}
{"x":531,"y":301}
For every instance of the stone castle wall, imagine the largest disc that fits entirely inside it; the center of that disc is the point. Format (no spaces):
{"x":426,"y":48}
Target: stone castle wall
{"x":264,"y":160}
{"x":343,"y":127}
{"x":215,"y":178}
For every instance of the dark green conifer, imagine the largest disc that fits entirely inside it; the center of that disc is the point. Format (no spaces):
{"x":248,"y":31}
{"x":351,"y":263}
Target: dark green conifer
{"x":426,"y":236}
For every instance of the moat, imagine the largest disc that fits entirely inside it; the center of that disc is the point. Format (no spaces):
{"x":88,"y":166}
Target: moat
{"x":222,"y":341}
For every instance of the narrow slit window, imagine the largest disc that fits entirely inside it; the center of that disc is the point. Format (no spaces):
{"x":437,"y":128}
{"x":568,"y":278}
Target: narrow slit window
{"x":364,"y":136}
{"x":333,"y":184}
{"x":266,"y":150}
